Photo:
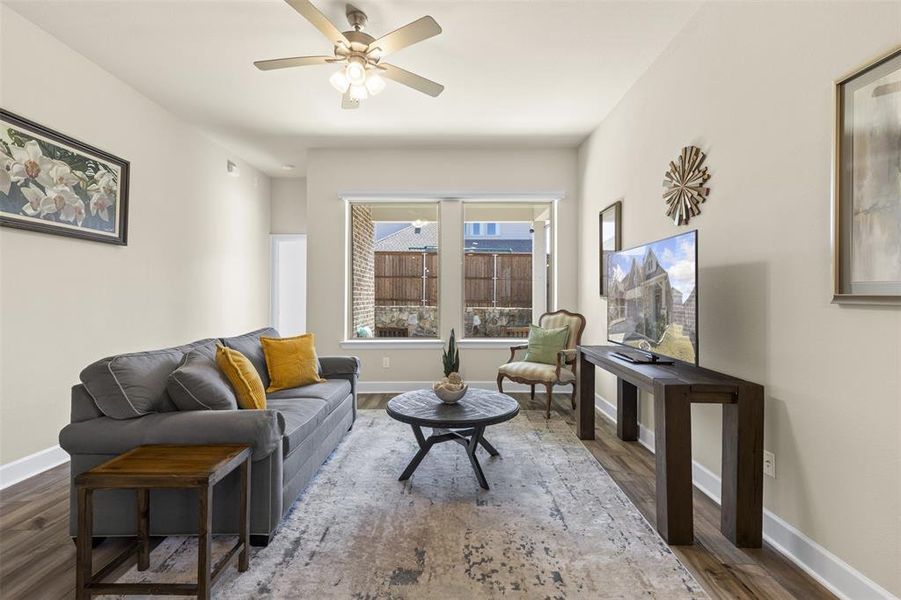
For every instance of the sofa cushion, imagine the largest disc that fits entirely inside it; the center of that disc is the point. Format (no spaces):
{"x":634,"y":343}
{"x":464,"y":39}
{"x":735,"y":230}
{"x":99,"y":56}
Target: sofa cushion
{"x":540,"y":372}
{"x":198,"y":384}
{"x":332,"y":392}
{"x":132,"y":385}
{"x":207,"y":348}
{"x":302,"y":416}
{"x":249,"y":345}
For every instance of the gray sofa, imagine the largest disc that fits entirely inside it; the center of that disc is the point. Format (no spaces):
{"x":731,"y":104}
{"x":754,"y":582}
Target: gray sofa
{"x":122,"y":403}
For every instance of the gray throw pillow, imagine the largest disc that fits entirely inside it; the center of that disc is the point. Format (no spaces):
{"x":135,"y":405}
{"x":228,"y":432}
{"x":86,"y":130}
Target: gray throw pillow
{"x":198,"y":384}
{"x":132,"y":385}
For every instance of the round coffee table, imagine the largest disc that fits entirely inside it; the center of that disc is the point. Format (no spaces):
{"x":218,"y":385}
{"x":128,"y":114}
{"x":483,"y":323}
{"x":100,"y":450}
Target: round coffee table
{"x":463,"y":422}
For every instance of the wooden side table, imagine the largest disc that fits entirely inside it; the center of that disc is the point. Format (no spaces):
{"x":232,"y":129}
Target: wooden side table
{"x":163,"y":466}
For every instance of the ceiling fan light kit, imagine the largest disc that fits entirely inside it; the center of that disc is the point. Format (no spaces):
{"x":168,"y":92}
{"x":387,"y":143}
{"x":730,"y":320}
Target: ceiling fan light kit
{"x":358,"y":93}
{"x":339,"y":81}
{"x":362,"y":73}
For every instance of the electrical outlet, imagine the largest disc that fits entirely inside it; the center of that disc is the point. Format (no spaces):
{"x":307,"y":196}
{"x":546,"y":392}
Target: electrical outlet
{"x":386,"y":362}
{"x":769,"y":464}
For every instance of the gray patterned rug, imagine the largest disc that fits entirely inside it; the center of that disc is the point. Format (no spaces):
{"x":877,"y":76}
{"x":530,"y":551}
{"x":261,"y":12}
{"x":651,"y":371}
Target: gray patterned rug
{"x":553,"y":525}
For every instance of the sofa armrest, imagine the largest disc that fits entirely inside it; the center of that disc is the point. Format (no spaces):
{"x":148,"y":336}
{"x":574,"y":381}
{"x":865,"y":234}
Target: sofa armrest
{"x":342,"y":367}
{"x":339,"y":365}
{"x":262,"y":430}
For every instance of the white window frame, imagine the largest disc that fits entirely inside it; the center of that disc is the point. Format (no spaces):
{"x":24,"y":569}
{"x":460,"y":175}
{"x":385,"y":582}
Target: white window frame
{"x":349,"y":340}
{"x":552,"y":202}
{"x":446,"y":321}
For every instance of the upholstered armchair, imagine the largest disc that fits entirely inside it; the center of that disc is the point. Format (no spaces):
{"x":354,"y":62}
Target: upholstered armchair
{"x":533,"y":373}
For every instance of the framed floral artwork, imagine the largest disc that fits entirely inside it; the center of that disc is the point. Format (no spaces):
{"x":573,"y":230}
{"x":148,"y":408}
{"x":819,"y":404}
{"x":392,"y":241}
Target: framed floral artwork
{"x":867,"y":185}
{"x":609,"y":240}
{"x":51,"y":183}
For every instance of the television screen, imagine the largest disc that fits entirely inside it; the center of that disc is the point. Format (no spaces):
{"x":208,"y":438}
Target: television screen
{"x":652,"y":299}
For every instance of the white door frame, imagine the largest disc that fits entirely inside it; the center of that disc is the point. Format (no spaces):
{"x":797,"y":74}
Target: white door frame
{"x":274,"y":240}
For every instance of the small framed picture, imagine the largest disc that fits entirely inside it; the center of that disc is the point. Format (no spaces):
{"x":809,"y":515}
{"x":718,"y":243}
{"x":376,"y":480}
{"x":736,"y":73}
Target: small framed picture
{"x":609,"y":240}
{"x":51,"y":183}
{"x":867,"y":185}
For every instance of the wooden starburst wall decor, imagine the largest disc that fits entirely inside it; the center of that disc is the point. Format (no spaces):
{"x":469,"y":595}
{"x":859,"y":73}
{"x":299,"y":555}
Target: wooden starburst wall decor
{"x":684,"y":189}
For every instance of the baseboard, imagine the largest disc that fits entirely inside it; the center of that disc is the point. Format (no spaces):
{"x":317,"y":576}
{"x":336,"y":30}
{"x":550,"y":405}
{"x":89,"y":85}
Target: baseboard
{"x":396,"y":387}
{"x":31,"y":465}
{"x":836,"y":575}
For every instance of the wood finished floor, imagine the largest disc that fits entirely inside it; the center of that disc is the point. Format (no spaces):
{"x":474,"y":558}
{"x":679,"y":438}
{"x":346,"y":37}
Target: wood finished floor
{"x":37,"y":558}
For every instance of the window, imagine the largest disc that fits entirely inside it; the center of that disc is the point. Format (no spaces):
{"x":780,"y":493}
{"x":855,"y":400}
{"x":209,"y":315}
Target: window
{"x":394,"y":268}
{"x":505,"y":286}
{"x":476,"y":229}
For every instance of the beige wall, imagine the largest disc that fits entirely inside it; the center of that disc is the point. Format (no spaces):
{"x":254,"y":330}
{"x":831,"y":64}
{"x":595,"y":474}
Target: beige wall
{"x":331,"y":172}
{"x":751,"y":84}
{"x":197,"y":259}
{"x":289,"y":205}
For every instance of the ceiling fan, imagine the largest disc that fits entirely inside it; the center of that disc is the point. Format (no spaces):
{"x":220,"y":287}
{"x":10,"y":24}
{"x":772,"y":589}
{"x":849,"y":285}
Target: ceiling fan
{"x":361,"y":55}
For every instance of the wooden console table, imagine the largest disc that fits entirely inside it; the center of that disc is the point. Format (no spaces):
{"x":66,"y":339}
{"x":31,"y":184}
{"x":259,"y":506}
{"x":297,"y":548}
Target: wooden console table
{"x":675,"y":388}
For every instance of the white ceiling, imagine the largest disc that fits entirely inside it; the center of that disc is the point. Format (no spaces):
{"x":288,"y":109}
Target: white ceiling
{"x":539,"y":72}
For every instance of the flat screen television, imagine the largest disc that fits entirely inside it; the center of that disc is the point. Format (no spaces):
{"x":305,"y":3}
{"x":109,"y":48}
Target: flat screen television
{"x":652,"y":299}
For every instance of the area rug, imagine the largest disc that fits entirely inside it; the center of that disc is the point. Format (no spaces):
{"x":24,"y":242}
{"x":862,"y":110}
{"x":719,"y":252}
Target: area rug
{"x":553,"y":525}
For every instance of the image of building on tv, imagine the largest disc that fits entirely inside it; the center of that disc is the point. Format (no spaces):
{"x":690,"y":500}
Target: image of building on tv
{"x":652,"y":298}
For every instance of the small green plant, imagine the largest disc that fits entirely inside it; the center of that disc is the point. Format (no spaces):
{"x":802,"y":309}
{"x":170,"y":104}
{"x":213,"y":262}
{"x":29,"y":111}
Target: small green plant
{"x":451,"y":358}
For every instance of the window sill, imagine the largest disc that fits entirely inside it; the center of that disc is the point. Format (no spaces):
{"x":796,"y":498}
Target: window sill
{"x":392,"y":344}
{"x":491,"y":342}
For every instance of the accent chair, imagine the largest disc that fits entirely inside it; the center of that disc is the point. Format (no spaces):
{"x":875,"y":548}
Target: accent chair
{"x":534,"y":373}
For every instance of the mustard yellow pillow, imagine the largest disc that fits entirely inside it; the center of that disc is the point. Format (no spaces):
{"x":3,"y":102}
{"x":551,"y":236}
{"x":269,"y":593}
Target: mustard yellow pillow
{"x":291,"y":361}
{"x":242,"y":376}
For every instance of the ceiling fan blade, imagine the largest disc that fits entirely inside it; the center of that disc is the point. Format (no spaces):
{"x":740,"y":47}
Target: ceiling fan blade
{"x":409,"y":34}
{"x":348,"y":102}
{"x":312,"y":14}
{"x":418,"y":83}
{"x":297,"y":61}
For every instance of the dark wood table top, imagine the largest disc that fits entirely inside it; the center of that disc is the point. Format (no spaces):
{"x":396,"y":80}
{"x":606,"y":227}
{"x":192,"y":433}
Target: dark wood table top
{"x":644,"y":375}
{"x":477,"y":408}
{"x":166,"y":465}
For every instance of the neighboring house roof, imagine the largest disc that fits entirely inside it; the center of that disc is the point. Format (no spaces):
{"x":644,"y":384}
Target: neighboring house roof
{"x":497,"y":245}
{"x":407,"y":240}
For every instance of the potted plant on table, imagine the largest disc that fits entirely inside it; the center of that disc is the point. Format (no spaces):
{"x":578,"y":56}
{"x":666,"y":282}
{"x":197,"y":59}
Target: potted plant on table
{"x":451,"y":388}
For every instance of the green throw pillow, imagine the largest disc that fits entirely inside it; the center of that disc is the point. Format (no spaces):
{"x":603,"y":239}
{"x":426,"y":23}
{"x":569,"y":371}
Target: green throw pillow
{"x":544,"y":344}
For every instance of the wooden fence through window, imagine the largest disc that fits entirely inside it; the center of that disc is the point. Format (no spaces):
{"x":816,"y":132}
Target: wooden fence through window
{"x":496,"y":280}
{"x":406,"y":278}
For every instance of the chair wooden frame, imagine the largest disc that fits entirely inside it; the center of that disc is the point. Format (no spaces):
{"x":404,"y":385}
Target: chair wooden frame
{"x":565,"y":359}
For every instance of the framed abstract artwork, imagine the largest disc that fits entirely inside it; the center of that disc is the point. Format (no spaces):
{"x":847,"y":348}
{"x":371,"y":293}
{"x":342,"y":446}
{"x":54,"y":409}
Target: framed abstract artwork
{"x":54,"y":184}
{"x":609,"y":240}
{"x":867,"y":184}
